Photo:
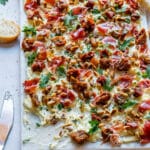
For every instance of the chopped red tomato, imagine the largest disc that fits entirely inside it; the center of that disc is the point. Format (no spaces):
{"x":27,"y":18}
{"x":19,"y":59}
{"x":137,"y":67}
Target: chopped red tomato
{"x":123,"y":81}
{"x":104,"y":28}
{"x":79,"y":10}
{"x":31,"y":4}
{"x":133,"y":4}
{"x":119,"y":2}
{"x":131,"y":125}
{"x":42,"y":54}
{"x":56,"y":62}
{"x":30,"y":85}
{"x":78,"y":34}
{"x":38,"y":44}
{"x":110,"y":41}
{"x":85,"y":73}
{"x":53,"y":15}
{"x":52,"y":2}
{"x":144,"y":106}
{"x":144,"y":83}
{"x":145,"y":138}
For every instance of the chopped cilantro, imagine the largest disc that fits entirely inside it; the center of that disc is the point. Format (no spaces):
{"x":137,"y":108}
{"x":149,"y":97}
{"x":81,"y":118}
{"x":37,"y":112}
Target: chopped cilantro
{"x":121,"y":10}
{"x":107,"y":86}
{"x":69,"y":109}
{"x":94,"y":110}
{"x":38,"y":125}
{"x":29,"y":30}
{"x":147,"y":116}
{"x":3,"y":2}
{"x":61,"y":71}
{"x":69,"y":18}
{"x":127,"y":20}
{"x":60,"y":106}
{"x":95,"y":11}
{"x":75,"y":121}
{"x":44,"y":80}
{"x":26,"y":141}
{"x":125,"y":44}
{"x":94,"y":126}
{"x":99,"y":70}
{"x":128,"y":104}
{"x":147,"y":72}
{"x":31,"y":58}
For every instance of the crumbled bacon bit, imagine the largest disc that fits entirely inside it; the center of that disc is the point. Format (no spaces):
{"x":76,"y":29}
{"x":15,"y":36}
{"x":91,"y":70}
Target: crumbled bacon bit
{"x":79,"y":136}
{"x":59,"y":40}
{"x":27,"y":44}
{"x":102,"y":99}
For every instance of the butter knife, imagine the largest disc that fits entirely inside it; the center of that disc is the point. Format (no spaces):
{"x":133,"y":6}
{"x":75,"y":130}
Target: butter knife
{"x":6,"y":118}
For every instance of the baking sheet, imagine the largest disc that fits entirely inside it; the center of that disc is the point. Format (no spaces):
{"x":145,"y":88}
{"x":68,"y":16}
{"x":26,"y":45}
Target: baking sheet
{"x":40,"y":138}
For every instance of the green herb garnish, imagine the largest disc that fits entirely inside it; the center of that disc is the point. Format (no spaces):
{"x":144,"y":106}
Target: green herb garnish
{"x":94,"y":126}
{"x":60,"y":106}
{"x":147,"y":116}
{"x":26,"y":141}
{"x":107,"y":86}
{"x":121,"y":10}
{"x":31,"y":58}
{"x":128,"y":104}
{"x":38,"y":125}
{"x":61,"y":71}
{"x":147,"y":73}
{"x":94,"y":110}
{"x":44,"y":80}
{"x":95,"y":11}
{"x":29,"y":30}
{"x":3,"y":2}
{"x":125,"y":44}
{"x":99,"y":70}
{"x":69,"y":18}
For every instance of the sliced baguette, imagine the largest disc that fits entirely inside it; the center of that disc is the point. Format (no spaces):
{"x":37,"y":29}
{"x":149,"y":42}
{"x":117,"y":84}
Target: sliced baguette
{"x":9,"y":31}
{"x":145,"y":4}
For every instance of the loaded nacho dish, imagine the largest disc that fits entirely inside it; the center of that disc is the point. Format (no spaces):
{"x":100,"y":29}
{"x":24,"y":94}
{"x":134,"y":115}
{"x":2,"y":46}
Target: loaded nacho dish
{"x":88,"y":70}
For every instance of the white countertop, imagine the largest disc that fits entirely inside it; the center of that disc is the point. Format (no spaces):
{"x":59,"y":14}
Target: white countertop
{"x":9,"y":72}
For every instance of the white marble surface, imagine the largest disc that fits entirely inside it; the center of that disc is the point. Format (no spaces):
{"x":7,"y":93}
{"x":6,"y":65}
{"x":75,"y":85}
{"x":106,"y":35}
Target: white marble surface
{"x":9,"y":73}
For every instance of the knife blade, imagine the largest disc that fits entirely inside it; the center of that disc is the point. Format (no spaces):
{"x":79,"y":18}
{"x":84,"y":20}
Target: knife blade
{"x":6,"y":118}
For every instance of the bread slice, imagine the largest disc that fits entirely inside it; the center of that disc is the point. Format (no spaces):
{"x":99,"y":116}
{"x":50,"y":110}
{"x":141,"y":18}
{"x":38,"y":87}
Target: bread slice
{"x":9,"y":31}
{"x":145,"y":4}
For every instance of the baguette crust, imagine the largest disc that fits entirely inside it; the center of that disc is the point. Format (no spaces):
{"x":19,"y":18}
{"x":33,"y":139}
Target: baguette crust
{"x":9,"y":31}
{"x":145,"y":4}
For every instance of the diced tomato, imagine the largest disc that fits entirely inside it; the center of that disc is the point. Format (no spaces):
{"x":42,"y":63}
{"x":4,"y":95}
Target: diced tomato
{"x":143,"y":48}
{"x":144,"y":83}
{"x":85,"y":73}
{"x":30,"y":4}
{"x":78,"y":34}
{"x":145,"y":138}
{"x":30,"y":85}
{"x":79,"y":10}
{"x":42,"y":54}
{"x":53,"y":15}
{"x":104,"y":28}
{"x":123,"y":81}
{"x":119,"y":2}
{"x":56,"y":62}
{"x":133,"y":4}
{"x":38,"y":66}
{"x":52,"y":2}
{"x":132,"y":125}
{"x":110,"y":40}
{"x":144,"y":106}
{"x":37,"y":45}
